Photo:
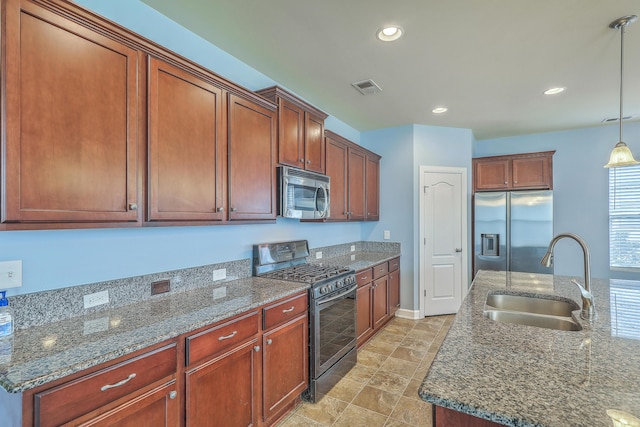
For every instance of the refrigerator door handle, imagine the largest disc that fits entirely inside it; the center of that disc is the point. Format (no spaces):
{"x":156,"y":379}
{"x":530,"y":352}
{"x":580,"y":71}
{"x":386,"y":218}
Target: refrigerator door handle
{"x":458,"y":249}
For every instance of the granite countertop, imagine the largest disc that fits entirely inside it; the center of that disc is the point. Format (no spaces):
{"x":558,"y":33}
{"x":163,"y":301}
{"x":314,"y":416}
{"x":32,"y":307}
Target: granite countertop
{"x":527,"y":376}
{"x":45,"y":353}
{"x":358,"y":260}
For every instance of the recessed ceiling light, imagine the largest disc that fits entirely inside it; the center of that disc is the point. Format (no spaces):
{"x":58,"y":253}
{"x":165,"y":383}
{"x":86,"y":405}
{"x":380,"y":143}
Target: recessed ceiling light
{"x":439,"y":110}
{"x":389,"y":33}
{"x":554,"y":90}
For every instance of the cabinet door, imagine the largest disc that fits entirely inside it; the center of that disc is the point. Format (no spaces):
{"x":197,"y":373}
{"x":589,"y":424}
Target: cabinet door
{"x":532,"y":172}
{"x":187,"y":147}
{"x":394,"y":291}
{"x":336,"y":164}
{"x":290,"y":134}
{"x":285,"y":370}
{"x":364,"y":323}
{"x":158,"y":407}
{"x":314,"y":148}
{"x":225,"y":391}
{"x":492,"y":175}
{"x":71,"y":134}
{"x":356,"y":185}
{"x":252,"y":172}
{"x":373,"y":188}
{"x":380,"y":302}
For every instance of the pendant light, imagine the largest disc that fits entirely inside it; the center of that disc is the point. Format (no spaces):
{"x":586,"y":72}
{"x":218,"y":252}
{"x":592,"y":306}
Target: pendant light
{"x":621,"y":155}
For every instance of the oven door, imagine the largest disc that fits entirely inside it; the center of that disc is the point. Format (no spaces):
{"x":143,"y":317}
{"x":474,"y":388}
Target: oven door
{"x":333,"y":323}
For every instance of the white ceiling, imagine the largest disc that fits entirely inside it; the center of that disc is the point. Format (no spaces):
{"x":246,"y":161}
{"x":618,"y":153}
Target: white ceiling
{"x":488,"y":61}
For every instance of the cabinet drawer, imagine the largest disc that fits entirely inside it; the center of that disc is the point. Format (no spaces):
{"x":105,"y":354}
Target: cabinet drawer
{"x":286,"y":310}
{"x":211,"y":341}
{"x":364,"y":276}
{"x":394,"y":264}
{"x":75,"y":398}
{"x":380,"y":270}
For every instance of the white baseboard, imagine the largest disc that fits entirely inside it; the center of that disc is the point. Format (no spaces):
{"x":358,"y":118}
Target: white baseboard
{"x":408,"y":314}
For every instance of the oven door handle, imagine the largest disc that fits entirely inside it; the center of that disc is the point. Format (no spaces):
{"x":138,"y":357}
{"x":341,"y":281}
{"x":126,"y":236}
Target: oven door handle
{"x":333,"y":298}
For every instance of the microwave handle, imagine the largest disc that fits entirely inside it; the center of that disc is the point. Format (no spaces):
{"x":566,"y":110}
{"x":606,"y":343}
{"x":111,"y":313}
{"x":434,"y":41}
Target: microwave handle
{"x":323,"y":214}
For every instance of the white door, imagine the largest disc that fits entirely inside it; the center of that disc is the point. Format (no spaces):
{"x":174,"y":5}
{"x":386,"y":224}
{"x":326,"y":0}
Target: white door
{"x":444,"y":239}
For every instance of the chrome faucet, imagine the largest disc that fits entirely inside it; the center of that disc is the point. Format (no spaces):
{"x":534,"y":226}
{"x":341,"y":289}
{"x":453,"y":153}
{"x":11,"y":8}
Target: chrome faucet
{"x":588,"y":305}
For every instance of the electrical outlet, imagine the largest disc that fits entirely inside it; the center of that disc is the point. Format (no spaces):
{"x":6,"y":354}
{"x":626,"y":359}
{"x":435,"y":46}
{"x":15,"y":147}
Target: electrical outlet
{"x":353,"y":248}
{"x":10,"y":274}
{"x":387,"y":234}
{"x":353,"y":257}
{"x":220,"y":292}
{"x":319,"y":255}
{"x":97,"y":298}
{"x":220,"y":274}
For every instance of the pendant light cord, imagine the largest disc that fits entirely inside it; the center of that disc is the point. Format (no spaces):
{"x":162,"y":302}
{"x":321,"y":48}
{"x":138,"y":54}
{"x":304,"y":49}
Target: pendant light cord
{"x":622,"y":27}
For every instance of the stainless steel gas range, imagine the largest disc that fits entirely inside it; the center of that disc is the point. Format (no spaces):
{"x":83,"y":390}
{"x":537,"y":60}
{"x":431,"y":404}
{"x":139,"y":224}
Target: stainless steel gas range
{"x":332,"y":309}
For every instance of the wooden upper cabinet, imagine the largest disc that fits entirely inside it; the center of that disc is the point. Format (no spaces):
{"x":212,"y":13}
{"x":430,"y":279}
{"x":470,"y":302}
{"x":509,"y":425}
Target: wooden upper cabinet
{"x":187,"y":145}
{"x":355,"y":180}
{"x":252,"y":160}
{"x":357,"y":183}
{"x":300,"y":131}
{"x":337,"y":162}
{"x":372,"y":175}
{"x":71,"y":98}
{"x":514,"y":172}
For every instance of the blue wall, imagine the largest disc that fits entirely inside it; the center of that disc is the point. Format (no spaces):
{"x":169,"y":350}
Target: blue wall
{"x":60,"y":258}
{"x":404,"y":149}
{"x":580,"y":188}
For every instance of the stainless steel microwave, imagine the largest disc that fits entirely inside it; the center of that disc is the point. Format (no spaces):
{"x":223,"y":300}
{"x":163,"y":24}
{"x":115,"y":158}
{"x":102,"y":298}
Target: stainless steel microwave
{"x":303,"y":194}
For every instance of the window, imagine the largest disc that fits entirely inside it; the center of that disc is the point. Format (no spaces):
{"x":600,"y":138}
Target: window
{"x":625,"y":309}
{"x":624,"y":217}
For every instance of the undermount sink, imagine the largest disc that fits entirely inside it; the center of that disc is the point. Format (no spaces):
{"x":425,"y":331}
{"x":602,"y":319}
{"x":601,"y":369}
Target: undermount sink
{"x":539,"y":311}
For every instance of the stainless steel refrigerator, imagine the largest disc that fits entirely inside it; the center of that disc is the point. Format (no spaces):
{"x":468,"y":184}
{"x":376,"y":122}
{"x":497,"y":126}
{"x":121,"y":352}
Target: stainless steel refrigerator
{"x":512,"y":230}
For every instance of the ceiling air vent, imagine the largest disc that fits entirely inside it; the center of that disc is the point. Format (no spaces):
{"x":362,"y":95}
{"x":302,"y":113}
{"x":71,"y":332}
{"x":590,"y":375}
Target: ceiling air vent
{"x":367,"y":87}
{"x":615,"y":119}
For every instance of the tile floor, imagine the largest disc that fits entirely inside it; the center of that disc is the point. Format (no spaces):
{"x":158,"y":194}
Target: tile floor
{"x":382,"y":389}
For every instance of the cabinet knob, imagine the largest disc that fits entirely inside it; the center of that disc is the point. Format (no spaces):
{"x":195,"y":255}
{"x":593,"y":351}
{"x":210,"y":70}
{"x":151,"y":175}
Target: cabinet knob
{"x":173,"y":394}
{"x":219,"y":209}
{"x":308,"y":161}
{"x":506,"y":182}
{"x":269,"y":341}
{"x":133,"y":207}
{"x":515,"y":182}
{"x":233,"y":209}
{"x":256,"y":348}
{"x":301,"y":160}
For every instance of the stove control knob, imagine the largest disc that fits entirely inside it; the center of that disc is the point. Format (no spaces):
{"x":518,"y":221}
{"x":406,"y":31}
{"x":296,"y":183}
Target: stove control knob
{"x":339,"y":284}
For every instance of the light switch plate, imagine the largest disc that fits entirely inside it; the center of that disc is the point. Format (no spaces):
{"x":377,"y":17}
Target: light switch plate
{"x":353,"y":248}
{"x":319,"y":255}
{"x":97,"y":298}
{"x":387,"y":234}
{"x":10,"y":274}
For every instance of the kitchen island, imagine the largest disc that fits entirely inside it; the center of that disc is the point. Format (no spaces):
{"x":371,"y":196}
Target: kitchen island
{"x":519,"y":375}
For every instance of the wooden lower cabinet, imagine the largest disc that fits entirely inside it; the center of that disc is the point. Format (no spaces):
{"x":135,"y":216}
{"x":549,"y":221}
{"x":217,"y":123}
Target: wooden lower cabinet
{"x":285,"y":366}
{"x":158,"y":407}
{"x":444,"y":417}
{"x":377,"y":298}
{"x":394,"y":292}
{"x":224,"y":391}
{"x":364,"y":325}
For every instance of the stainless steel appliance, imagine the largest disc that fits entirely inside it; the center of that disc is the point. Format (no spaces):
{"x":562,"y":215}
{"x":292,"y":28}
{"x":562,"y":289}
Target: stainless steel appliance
{"x":303,"y":194}
{"x":332,"y":309}
{"x":512,"y":230}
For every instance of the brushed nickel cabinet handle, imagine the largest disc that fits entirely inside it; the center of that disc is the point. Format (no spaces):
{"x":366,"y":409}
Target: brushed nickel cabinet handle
{"x":231,"y":335}
{"x":269,"y":341}
{"x":133,"y":207}
{"x":301,"y":160}
{"x":288,"y":310}
{"x":118,"y":384}
{"x":219,"y":209}
{"x":173,"y":394}
{"x":506,"y":182}
{"x":308,"y":161}
{"x":233,"y":209}
{"x":256,"y":348}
